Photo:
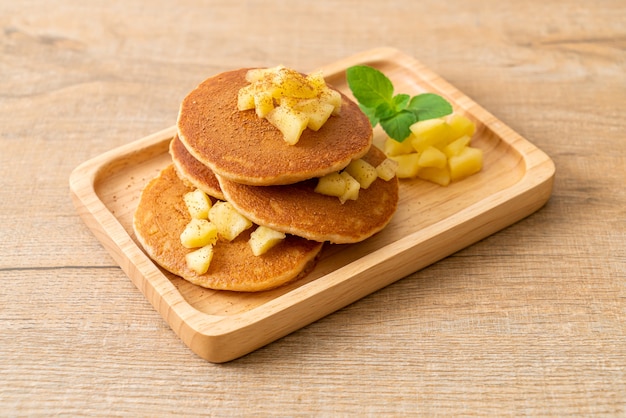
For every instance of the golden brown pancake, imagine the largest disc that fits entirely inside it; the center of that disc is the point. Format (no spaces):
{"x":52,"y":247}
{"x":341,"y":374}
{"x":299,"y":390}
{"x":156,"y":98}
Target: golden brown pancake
{"x":297,"y":209}
{"x":240,"y":146}
{"x":193,"y":171}
{"x":162,"y":215}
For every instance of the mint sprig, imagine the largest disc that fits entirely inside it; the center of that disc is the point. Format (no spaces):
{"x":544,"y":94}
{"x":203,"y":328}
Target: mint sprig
{"x":395,"y":112}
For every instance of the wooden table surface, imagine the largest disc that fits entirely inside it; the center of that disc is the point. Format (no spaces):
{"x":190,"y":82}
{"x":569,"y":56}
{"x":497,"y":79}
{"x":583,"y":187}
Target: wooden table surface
{"x":529,"y":321}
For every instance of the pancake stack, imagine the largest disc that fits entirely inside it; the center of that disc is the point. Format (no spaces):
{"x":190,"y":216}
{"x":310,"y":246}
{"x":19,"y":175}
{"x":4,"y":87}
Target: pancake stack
{"x":236,"y":156}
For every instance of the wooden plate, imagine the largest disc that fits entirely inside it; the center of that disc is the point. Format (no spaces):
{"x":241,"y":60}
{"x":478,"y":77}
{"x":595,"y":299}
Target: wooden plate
{"x":431,"y":223}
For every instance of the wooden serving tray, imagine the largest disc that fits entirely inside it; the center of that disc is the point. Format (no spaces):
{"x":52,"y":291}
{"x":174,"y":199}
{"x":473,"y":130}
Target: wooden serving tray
{"x":431,"y":223}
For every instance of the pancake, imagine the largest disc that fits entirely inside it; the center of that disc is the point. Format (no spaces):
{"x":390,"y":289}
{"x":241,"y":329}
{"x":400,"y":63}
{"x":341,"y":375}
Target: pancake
{"x":162,"y":215}
{"x":240,"y":146}
{"x":193,"y":171}
{"x":297,"y":209}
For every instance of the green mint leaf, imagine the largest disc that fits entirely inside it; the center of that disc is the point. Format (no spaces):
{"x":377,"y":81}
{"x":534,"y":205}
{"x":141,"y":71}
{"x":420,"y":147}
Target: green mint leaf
{"x":429,"y":106}
{"x":401,"y":101}
{"x":395,"y":113}
{"x":397,"y":127}
{"x":371,"y":114}
{"x":369,"y":86}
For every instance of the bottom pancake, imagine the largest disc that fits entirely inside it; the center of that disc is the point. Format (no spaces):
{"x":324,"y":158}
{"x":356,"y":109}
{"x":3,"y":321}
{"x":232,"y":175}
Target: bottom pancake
{"x":162,"y":215}
{"x":297,"y":209}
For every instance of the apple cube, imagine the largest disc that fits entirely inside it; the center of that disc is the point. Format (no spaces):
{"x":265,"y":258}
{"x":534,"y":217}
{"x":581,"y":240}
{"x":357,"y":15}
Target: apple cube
{"x":245,"y":98}
{"x":363,"y":172}
{"x":432,"y":157}
{"x":290,"y":122}
{"x":393,"y":147}
{"x":431,"y":132}
{"x":387,"y":169}
{"x":263,"y":103}
{"x":407,"y":164}
{"x":440,"y":176}
{"x":198,"y":204}
{"x":460,"y":126}
{"x":293,"y":84}
{"x":352,"y":188}
{"x":317,"y":112}
{"x":263,"y":239}
{"x":332,"y":97}
{"x":331,"y":184}
{"x":228,"y":221}
{"x":457,"y":146}
{"x":468,"y":162}
{"x":200,"y":259}
{"x":198,"y":233}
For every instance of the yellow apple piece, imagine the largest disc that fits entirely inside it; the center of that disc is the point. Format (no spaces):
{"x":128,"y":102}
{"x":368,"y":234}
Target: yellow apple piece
{"x":245,"y":98}
{"x":457,"y":146}
{"x":387,"y":169}
{"x":316,"y":111}
{"x":257,"y":74}
{"x":198,"y":204}
{"x":332,"y":97}
{"x":460,"y":125}
{"x":407,"y":164}
{"x":331,"y":184}
{"x":198,"y":233}
{"x":290,"y":122}
{"x":293,"y":84}
{"x":363,"y":172}
{"x":440,"y":176}
{"x":200,"y":259}
{"x":263,"y":239}
{"x":432,"y":157}
{"x":430,"y":132}
{"x":263,"y":103}
{"x":393,"y":147}
{"x":352,"y":188}
{"x":228,"y":221}
{"x":468,"y":162}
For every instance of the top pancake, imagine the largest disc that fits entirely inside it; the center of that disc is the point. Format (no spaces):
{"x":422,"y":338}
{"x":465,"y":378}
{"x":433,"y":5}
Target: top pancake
{"x":162,"y":215}
{"x":297,"y":209}
{"x":240,"y":146}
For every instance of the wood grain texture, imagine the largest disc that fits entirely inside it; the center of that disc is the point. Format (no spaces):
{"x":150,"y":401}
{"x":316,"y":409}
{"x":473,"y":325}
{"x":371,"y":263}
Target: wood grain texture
{"x":529,"y":321}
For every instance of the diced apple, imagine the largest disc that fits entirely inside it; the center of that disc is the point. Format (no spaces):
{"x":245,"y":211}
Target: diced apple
{"x":263,"y":103}
{"x":245,"y":98}
{"x":460,"y":126}
{"x":198,"y":233}
{"x":263,"y":239}
{"x":331,"y":184}
{"x":430,"y":132}
{"x":290,"y":122}
{"x":432,"y":157}
{"x":468,"y":162}
{"x":332,"y":97}
{"x":407,"y":164}
{"x":317,"y":81}
{"x":293,"y":84}
{"x":229,"y":222}
{"x":256,"y":74}
{"x":440,"y":176}
{"x":352,"y":188}
{"x":200,"y":259}
{"x":317,"y":112}
{"x":393,"y":147}
{"x":198,"y":204}
{"x":387,"y":169}
{"x":457,"y":146}
{"x":363,"y":172}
